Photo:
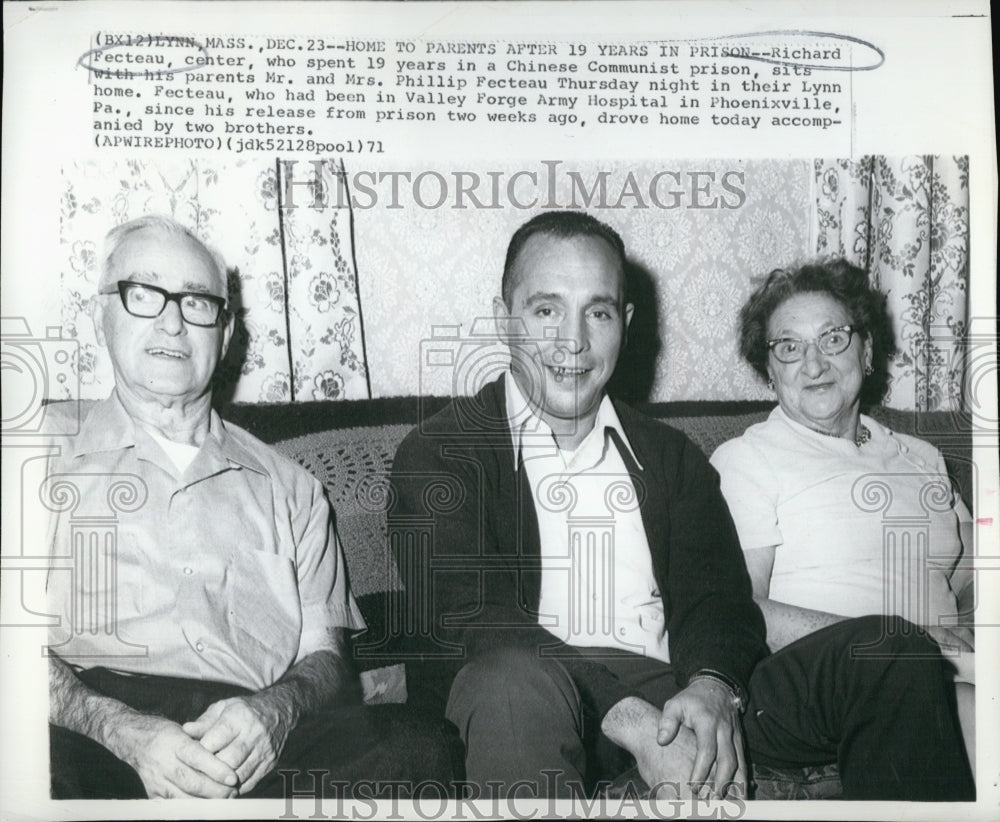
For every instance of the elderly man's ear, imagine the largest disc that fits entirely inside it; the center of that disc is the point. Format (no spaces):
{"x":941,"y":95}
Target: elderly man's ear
{"x":227,"y":333}
{"x":96,"y":310}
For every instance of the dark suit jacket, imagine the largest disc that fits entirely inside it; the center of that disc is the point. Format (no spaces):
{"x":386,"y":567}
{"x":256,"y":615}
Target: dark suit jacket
{"x":465,"y":535}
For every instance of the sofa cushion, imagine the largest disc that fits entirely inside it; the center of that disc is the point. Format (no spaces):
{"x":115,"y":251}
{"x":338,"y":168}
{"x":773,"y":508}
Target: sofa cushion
{"x":353,"y":465}
{"x":708,"y":423}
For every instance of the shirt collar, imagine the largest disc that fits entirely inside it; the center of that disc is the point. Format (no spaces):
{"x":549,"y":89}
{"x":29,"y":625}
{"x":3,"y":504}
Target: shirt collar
{"x":524,"y":423}
{"x":778,"y":413}
{"x":109,"y":427}
{"x":230,"y":448}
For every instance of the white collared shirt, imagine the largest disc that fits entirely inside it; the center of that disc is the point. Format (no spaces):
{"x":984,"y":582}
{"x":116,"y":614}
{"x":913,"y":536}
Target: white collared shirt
{"x":598,"y":587}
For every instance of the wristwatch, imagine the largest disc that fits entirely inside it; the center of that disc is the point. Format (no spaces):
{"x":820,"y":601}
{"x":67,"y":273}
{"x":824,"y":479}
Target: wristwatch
{"x":737,"y":690}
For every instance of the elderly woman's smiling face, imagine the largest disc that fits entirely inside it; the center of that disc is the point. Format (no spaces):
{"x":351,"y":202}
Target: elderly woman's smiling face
{"x":820,"y":391}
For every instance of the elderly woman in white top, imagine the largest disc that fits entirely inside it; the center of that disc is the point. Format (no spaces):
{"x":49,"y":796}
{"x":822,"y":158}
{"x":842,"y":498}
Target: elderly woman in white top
{"x":819,"y":492}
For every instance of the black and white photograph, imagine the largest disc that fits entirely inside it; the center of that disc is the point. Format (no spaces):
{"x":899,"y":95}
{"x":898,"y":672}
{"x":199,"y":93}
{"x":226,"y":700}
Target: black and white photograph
{"x":408,"y":411}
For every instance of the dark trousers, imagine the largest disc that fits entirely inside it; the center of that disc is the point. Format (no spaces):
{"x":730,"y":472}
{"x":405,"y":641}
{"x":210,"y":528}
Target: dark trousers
{"x":381,"y":744}
{"x":870,"y":694}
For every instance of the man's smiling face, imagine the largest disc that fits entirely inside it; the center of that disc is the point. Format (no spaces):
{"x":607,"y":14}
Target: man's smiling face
{"x":162,"y":359}
{"x":568,"y":301}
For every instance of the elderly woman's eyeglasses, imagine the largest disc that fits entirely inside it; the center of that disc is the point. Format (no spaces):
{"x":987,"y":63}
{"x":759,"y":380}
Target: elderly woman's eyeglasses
{"x":143,"y":300}
{"x":831,"y":342}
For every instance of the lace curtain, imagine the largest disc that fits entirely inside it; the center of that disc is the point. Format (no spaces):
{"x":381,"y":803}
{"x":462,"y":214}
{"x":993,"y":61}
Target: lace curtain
{"x":906,"y":220}
{"x":292,"y":278}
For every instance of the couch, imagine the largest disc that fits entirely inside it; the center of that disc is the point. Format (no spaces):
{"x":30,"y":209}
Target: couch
{"x":349,"y":446}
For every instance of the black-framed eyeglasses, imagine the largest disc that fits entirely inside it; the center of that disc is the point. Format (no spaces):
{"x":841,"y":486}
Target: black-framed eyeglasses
{"x":144,"y":300}
{"x":831,"y":342}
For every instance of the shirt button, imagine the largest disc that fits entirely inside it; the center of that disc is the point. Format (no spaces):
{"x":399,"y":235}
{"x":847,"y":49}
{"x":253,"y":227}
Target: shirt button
{"x":199,"y":646}
{"x":188,"y":570}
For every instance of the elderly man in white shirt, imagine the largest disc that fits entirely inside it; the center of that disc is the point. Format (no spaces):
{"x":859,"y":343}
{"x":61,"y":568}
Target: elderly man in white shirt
{"x":209,"y":650}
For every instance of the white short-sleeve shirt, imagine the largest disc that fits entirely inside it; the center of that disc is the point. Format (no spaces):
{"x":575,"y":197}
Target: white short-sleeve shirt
{"x":858,"y":530}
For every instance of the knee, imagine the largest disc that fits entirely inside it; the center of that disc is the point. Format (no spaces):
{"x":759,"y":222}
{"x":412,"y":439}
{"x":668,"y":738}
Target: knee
{"x":80,"y":768}
{"x":890,"y":631}
{"x":512,"y":675}
{"x":430,"y":746}
{"x":891,"y":637}
{"x":511,"y":671}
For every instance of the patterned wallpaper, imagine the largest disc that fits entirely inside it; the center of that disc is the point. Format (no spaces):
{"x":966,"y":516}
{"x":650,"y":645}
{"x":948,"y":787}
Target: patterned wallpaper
{"x":426,"y":275}
{"x":424,"y":267}
{"x":291,"y":281}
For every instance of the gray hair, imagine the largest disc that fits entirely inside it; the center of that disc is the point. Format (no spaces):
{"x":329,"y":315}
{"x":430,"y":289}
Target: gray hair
{"x":163,"y":225}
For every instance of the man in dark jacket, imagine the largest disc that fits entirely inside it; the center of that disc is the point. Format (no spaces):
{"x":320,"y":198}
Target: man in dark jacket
{"x":576,"y":595}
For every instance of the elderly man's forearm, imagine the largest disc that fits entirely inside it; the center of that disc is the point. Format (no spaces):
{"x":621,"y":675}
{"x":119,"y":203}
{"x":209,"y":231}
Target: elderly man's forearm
{"x":321,"y":680}
{"x":74,"y":706}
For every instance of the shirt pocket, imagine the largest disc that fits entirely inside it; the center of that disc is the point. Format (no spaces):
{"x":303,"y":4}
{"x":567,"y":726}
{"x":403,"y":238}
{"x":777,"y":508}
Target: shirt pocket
{"x":265,"y":611}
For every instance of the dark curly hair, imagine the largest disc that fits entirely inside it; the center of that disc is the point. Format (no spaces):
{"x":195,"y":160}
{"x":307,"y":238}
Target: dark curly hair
{"x":845,"y":283}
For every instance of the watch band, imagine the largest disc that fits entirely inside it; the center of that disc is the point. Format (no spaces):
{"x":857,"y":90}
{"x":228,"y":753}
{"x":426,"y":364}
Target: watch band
{"x":739,"y":693}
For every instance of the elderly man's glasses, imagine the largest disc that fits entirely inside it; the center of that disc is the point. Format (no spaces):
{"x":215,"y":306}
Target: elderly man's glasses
{"x":143,"y":300}
{"x":831,"y":342}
